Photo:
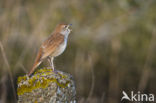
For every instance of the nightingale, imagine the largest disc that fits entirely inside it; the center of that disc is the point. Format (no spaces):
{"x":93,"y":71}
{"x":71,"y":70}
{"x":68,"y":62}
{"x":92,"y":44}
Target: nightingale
{"x":52,"y":46}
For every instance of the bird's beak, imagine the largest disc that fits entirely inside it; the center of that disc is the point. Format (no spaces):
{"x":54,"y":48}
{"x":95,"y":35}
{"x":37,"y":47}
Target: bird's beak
{"x":69,"y":26}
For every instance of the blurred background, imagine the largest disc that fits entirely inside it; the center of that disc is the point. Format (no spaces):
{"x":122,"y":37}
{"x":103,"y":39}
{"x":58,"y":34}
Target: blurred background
{"x":111,"y":48}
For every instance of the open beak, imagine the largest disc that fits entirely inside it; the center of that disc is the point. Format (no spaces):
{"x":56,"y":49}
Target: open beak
{"x":69,"y":26}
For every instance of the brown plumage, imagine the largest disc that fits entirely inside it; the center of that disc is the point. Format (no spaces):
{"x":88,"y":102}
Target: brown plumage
{"x":53,"y":46}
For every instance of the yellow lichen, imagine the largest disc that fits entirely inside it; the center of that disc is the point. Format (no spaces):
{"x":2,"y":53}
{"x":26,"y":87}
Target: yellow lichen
{"x":62,"y":76}
{"x":43,"y":70}
{"x":21,"y":79}
{"x":35,"y":101}
{"x":37,"y":81}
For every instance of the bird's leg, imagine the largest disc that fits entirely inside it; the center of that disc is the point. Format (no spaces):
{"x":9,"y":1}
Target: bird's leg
{"x":49,"y":60}
{"x":52,"y":64}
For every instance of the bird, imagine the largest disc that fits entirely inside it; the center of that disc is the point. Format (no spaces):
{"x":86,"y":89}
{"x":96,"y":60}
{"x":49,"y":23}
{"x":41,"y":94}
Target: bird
{"x":52,"y":47}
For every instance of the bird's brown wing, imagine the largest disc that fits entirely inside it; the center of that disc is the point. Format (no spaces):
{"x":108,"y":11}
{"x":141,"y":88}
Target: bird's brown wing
{"x":50,"y":45}
{"x":47,"y":48}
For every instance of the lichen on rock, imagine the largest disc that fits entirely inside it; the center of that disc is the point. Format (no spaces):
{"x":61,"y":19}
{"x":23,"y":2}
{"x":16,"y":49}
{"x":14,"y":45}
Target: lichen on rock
{"x":46,"y":86}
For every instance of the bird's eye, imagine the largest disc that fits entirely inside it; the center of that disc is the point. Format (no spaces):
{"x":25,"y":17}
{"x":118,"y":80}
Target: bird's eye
{"x":65,"y":26}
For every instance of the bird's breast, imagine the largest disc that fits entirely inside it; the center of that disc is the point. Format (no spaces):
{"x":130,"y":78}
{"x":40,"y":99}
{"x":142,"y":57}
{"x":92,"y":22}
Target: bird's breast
{"x":59,"y":50}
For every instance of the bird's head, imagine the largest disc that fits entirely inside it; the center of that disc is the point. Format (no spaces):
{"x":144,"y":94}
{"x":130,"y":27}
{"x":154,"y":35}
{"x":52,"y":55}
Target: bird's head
{"x":63,"y":29}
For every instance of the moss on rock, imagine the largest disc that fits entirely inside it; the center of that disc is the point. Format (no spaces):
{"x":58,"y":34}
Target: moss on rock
{"x":45,"y":81}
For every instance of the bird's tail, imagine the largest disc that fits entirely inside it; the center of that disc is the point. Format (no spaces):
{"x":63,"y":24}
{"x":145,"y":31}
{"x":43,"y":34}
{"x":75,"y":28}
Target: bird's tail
{"x":37,"y":62}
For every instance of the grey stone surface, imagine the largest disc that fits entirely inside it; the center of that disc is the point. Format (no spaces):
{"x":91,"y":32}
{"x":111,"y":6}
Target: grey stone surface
{"x":45,"y":86}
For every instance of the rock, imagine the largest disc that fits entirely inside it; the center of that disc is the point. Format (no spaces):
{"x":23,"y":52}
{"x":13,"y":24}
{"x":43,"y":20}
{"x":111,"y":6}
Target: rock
{"x":45,"y":86}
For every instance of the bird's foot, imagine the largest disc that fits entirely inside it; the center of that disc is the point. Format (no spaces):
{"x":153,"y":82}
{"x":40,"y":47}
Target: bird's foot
{"x":27,"y":76}
{"x":55,"y":71}
{"x":49,"y":67}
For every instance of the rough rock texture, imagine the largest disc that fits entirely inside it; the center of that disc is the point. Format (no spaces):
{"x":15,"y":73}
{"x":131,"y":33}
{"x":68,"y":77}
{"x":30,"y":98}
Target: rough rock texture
{"x":45,"y":86}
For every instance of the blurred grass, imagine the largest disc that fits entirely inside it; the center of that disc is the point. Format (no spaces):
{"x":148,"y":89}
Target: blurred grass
{"x":111,"y":47}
